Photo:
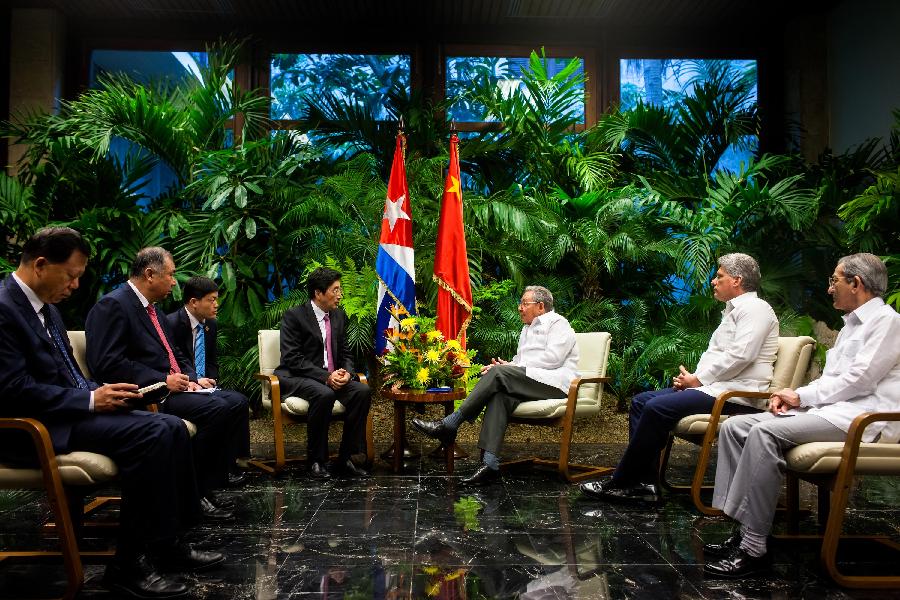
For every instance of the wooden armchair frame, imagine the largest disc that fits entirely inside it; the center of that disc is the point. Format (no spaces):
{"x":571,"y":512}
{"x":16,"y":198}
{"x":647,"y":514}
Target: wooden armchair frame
{"x":834,"y":494}
{"x":567,"y":423}
{"x":59,"y":506}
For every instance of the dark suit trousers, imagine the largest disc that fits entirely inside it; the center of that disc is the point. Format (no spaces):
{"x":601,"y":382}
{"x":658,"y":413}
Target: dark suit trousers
{"x":217,"y":416}
{"x":240,"y":433}
{"x":356,"y":398}
{"x":651,"y":417}
{"x":159,"y":491}
{"x":499,"y":392}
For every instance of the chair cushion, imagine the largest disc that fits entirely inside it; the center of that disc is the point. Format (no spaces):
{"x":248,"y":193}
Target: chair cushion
{"x":76,"y":468}
{"x":791,"y":362}
{"x":300,"y":407}
{"x":694,"y":425}
{"x":553,"y":408}
{"x":825,"y":457}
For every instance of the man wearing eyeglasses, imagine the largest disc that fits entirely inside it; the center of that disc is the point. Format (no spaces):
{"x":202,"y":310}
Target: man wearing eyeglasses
{"x":741,"y":355}
{"x":543,"y":367}
{"x":862,"y":374}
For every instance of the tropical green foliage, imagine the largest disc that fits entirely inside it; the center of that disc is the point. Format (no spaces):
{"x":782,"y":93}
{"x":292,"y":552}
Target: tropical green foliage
{"x":622,"y":220}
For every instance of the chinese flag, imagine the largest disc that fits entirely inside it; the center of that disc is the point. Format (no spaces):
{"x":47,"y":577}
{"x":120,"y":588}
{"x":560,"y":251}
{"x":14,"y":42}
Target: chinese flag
{"x":451,"y":264}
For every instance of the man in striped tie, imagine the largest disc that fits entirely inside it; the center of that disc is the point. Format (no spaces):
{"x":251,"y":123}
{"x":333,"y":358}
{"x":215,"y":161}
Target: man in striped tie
{"x":194,"y":327}
{"x":128,"y":340}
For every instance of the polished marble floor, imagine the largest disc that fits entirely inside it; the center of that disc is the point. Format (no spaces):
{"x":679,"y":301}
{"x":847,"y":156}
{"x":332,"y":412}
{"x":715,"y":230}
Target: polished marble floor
{"x":421,"y":534}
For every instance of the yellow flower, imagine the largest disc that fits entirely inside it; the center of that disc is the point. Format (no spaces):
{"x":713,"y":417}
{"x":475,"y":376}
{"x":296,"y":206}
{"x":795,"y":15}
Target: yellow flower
{"x":422,"y":375}
{"x":432,"y":356}
{"x":408,"y":322}
{"x":454,"y":345}
{"x":435,"y":335}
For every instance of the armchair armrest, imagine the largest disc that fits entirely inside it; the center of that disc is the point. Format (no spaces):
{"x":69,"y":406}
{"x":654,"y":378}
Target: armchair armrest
{"x":40,"y":437}
{"x":572,"y":398}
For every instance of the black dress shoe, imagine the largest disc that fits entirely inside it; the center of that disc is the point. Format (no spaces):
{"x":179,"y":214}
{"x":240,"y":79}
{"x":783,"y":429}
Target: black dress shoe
{"x":221,"y":501}
{"x":435,"y":430}
{"x":212,"y":512}
{"x":640,"y":492}
{"x":348,"y":469}
{"x":139,"y":578}
{"x":724,"y":549}
{"x":236,"y":479}
{"x":595,"y":489}
{"x":483,"y":476}
{"x":318,"y":471}
{"x":183,"y":557}
{"x":738,"y":564}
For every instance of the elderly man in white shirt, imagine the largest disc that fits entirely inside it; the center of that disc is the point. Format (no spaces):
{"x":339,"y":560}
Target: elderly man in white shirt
{"x":543,"y":367}
{"x":741,"y":355}
{"x":862,"y":374}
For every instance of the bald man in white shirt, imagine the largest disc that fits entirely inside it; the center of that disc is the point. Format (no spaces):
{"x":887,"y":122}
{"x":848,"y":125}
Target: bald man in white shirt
{"x":543,"y":367}
{"x":740,"y":356}
{"x":862,"y":374}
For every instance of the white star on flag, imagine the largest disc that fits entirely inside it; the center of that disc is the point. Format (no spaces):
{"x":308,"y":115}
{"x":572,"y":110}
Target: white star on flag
{"x":393,"y":211}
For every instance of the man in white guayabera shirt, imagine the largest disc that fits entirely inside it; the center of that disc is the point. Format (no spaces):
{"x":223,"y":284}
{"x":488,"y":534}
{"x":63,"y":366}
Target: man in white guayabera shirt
{"x":543,"y":367}
{"x":740,"y":356}
{"x":862,"y":374}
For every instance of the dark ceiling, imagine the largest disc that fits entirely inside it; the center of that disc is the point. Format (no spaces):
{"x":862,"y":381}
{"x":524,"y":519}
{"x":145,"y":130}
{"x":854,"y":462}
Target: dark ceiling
{"x":430,"y":13}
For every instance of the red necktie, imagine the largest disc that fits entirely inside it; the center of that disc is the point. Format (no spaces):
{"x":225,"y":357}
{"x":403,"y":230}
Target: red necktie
{"x":329,"y":360}
{"x":173,"y":364}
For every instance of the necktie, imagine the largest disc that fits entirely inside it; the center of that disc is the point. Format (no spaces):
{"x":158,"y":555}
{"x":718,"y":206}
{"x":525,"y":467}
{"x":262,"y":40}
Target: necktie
{"x":56,"y":337}
{"x":200,"y":352}
{"x":173,"y":364}
{"x":329,"y":355}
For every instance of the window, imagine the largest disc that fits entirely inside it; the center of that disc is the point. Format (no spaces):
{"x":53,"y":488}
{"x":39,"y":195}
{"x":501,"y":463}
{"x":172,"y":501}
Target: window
{"x":506,"y":72}
{"x":147,"y":66}
{"x":668,"y":82}
{"x":344,"y":79}
{"x":151,"y":68}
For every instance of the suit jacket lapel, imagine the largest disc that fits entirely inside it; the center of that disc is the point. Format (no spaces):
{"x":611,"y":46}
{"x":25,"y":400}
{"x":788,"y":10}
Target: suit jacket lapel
{"x":28,"y":311}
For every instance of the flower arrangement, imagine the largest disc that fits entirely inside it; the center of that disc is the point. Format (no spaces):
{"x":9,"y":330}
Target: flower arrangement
{"x":420,"y":357}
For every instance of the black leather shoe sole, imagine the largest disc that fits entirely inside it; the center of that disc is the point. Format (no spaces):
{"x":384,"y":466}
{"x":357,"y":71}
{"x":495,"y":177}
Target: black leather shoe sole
{"x":483,"y":476}
{"x":724,"y":549}
{"x":129,"y":588}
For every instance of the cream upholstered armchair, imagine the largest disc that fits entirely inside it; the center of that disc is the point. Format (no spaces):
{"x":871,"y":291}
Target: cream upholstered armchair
{"x":582,"y":402}
{"x":55,"y":473}
{"x":832,"y":466}
{"x":292,"y":409}
{"x":791,"y":364}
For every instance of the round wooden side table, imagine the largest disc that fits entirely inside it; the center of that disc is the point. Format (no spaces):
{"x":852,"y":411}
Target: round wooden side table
{"x":403,"y":398}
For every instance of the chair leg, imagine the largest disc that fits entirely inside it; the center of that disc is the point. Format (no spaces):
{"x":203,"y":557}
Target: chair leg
{"x":664,"y":464}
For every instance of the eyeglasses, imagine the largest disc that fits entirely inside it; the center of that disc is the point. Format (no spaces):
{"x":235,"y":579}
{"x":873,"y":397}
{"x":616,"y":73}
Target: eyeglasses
{"x":832,"y":281}
{"x":525,"y":303}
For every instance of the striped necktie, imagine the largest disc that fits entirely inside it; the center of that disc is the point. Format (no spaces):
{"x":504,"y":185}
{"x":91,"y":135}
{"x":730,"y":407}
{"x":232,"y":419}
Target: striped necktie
{"x":200,"y":351}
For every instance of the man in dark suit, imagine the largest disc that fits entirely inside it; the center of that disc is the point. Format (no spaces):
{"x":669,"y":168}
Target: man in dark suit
{"x":39,"y":378}
{"x":194,"y":330}
{"x":127,"y":339}
{"x":316,"y":365}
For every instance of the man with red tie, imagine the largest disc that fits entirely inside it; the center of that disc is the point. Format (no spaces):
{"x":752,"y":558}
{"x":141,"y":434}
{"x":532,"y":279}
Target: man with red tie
{"x":317,"y":365}
{"x":128,"y":339}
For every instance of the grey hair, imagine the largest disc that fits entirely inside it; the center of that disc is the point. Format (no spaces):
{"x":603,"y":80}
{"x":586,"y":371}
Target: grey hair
{"x":541,"y":294}
{"x":743,"y":266}
{"x":869,"y":268}
{"x":153,"y":257}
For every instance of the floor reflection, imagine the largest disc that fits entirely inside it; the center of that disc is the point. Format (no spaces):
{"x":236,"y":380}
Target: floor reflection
{"x":420,"y":535}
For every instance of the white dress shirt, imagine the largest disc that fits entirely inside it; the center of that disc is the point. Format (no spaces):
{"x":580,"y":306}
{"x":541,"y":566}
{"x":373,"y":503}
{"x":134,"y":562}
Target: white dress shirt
{"x":320,"y":317}
{"x":194,"y":321}
{"x":862,"y":372}
{"x":742,"y":350}
{"x":548,"y":351}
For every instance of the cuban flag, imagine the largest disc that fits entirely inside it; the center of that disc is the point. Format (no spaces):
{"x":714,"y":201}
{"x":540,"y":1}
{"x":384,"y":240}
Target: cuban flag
{"x":394,"y":264}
